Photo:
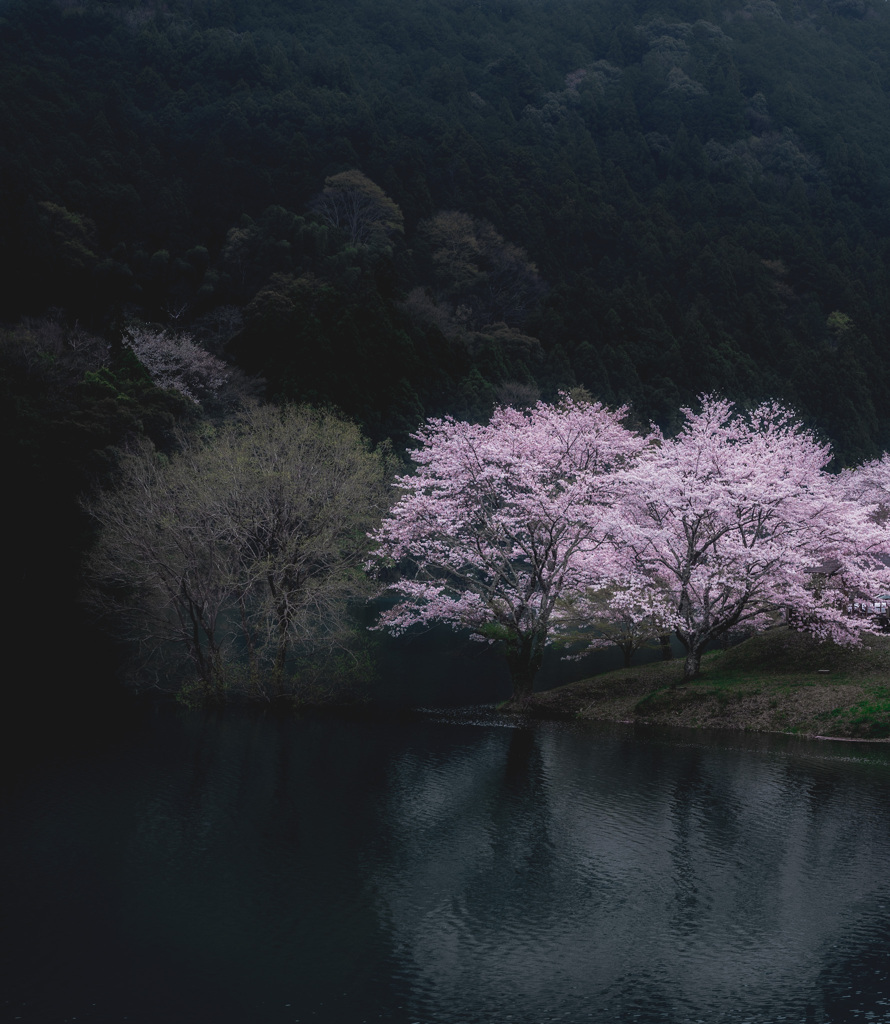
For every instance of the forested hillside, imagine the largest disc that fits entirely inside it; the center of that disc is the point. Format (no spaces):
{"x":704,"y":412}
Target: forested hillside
{"x":685,"y":196}
{"x":406,"y":209}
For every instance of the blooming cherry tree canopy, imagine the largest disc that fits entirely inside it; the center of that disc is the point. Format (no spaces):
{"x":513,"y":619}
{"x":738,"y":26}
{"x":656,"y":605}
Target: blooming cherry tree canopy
{"x":731,"y":517}
{"x":502,"y":519}
{"x":869,"y":485}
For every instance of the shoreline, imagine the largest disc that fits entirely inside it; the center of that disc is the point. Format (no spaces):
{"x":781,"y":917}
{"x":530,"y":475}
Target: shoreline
{"x":779,"y":681}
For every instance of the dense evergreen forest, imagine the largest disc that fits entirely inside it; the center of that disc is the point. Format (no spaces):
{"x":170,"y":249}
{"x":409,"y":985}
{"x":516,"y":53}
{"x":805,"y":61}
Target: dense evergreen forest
{"x":649,"y":199}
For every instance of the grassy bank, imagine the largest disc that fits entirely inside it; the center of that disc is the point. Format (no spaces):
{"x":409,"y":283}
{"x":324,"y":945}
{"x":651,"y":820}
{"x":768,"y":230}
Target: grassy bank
{"x":778,"y":681}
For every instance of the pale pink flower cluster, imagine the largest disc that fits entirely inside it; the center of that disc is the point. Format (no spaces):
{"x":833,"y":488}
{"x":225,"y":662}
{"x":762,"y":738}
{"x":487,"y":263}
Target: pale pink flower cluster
{"x":517,"y":527}
{"x":868,"y":484}
{"x":501,"y":519}
{"x":178,"y":363}
{"x":736,"y":522}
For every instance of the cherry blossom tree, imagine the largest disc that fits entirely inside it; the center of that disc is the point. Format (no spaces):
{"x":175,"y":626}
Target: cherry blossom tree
{"x":628,"y":613}
{"x":732,"y":517}
{"x":177,"y":363}
{"x":500,"y":520}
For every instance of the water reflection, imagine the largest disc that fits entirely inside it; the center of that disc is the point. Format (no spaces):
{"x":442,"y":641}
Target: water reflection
{"x":226,"y":869}
{"x":553,"y":875}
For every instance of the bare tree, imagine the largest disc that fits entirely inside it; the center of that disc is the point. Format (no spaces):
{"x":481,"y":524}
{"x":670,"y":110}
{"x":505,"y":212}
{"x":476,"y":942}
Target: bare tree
{"x":160,"y":566}
{"x":244,"y":549}
{"x":353,"y":204}
{"x":305,"y":490}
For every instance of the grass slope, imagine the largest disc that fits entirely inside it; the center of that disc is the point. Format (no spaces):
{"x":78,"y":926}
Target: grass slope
{"x":777,"y":681}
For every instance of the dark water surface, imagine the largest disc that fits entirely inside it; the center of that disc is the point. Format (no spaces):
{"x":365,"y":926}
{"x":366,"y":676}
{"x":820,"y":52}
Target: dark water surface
{"x":445,"y":868}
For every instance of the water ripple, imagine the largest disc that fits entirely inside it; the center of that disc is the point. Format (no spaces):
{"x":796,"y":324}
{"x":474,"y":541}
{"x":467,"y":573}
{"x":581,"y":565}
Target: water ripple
{"x":448,"y":870}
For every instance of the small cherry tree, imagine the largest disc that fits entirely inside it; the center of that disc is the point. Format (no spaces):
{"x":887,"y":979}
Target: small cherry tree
{"x":501,"y":520}
{"x":731,"y":517}
{"x":628,"y":613}
{"x":177,"y":363}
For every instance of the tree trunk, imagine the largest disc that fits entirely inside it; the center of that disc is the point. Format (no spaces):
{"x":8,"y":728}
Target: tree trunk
{"x":667,"y":652}
{"x":282,"y":641}
{"x":524,"y":657}
{"x":253,"y":671}
{"x":693,"y":663}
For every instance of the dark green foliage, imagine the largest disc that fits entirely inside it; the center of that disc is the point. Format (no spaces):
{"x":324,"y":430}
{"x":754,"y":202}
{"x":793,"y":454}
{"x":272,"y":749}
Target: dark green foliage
{"x":687,"y":195}
{"x":700,"y":185}
{"x":67,"y":405}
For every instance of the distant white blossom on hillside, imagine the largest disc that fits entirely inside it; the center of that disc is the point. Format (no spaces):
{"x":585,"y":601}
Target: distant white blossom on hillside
{"x":176,"y":362}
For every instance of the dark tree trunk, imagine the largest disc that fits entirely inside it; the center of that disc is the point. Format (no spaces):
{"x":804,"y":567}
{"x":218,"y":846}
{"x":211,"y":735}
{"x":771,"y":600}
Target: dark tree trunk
{"x":667,"y":652}
{"x":693,"y":663}
{"x":524,"y":657}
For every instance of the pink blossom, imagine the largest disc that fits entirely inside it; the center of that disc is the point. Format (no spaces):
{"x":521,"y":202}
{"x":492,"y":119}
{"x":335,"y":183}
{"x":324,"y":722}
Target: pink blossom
{"x":502,"y":519}
{"x":732,"y":518}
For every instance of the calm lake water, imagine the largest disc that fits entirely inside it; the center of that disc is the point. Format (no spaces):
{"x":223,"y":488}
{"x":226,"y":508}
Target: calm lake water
{"x":442,"y":868}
